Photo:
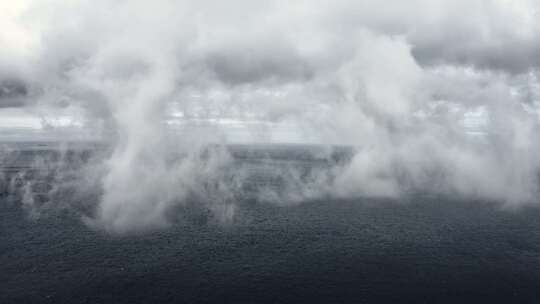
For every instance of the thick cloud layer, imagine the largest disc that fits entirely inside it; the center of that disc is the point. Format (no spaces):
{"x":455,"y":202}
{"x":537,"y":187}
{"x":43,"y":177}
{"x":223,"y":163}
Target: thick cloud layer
{"x":437,"y":96}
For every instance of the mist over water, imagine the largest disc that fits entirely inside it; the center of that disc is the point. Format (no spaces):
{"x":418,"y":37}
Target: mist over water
{"x":436,"y":97}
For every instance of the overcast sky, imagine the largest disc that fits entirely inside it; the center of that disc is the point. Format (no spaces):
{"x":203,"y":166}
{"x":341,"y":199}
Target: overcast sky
{"x":269,"y":61}
{"x":437,"y":95}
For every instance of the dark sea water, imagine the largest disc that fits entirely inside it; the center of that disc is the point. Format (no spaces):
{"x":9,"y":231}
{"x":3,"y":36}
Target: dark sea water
{"x":419,"y":249}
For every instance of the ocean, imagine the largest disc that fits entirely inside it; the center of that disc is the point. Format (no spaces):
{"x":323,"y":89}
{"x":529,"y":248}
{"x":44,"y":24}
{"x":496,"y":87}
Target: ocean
{"x":416,"y":249}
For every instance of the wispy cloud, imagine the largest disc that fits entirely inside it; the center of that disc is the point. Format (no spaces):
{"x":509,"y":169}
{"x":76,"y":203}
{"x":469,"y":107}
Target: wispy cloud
{"x":438,"y":96}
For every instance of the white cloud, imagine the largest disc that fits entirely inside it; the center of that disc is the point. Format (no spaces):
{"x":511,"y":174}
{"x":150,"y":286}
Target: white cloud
{"x":405,"y":81}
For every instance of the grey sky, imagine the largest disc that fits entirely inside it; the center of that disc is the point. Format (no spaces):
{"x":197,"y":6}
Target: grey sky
{"x":421,"y":86}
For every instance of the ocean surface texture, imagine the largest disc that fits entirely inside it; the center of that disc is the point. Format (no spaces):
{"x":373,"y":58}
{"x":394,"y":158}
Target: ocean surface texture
{"x":419,"y":249}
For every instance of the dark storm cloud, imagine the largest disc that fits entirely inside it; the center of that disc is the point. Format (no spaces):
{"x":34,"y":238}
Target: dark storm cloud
{"x":259,"y":64}
{"x":510,"y":55}
{"x":13,"y":93}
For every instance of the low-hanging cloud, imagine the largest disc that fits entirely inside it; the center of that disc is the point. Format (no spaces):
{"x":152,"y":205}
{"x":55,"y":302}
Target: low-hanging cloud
{"x":434,"y":96}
